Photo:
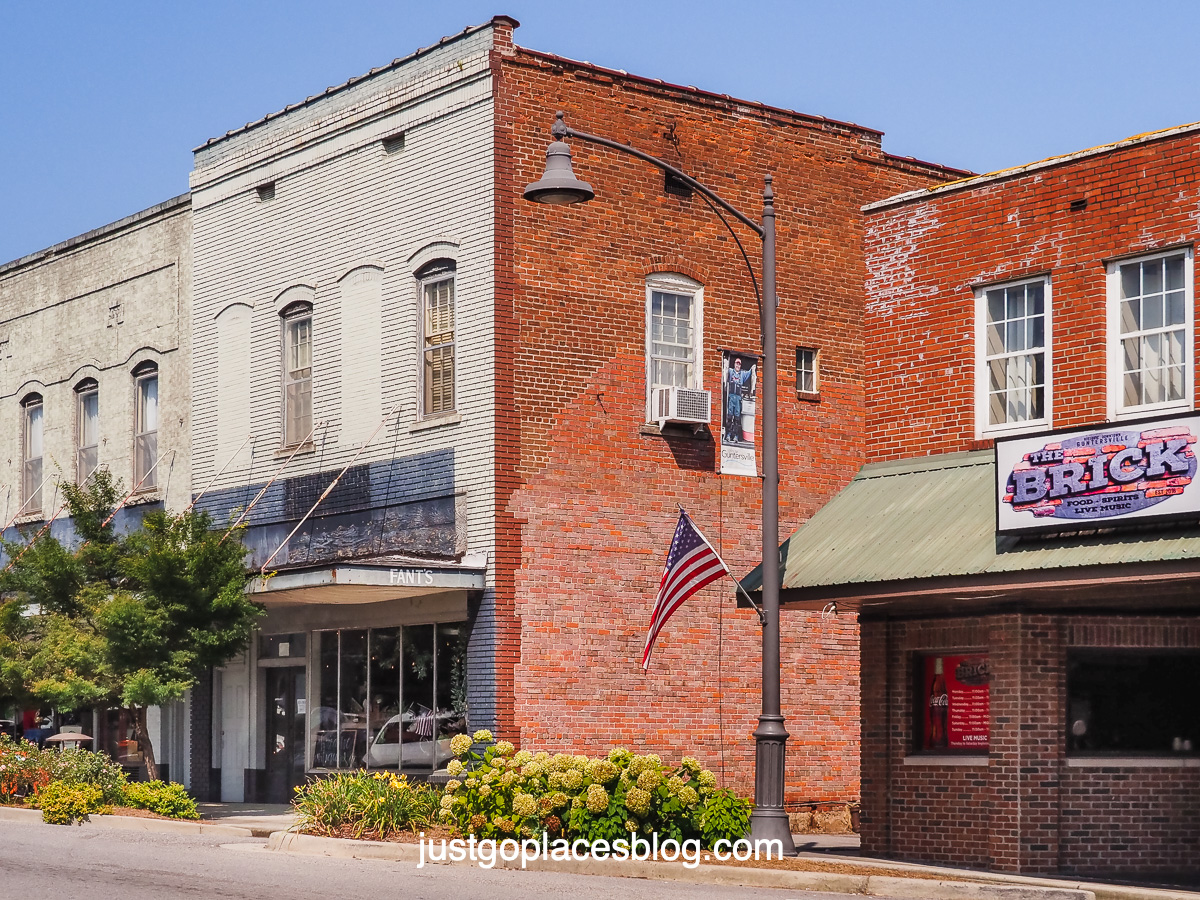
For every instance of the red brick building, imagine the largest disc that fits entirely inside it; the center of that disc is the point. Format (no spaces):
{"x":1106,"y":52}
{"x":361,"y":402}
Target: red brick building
{"x":1022,"y":548}
{"x":592,"y":489}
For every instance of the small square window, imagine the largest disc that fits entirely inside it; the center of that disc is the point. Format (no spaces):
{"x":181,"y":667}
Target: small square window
{"x":952,"y":697}
{"x":807,"y":371}
{"x":1133,"y":702}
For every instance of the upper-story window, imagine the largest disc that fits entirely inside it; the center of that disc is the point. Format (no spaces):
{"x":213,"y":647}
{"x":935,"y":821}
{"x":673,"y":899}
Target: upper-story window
{"x":1013,"y":362}
{"x":145,"y":426}
{"x":87,"y":429}
{"x":1150,"y":333}
{"x":674,"y":325}
{"x":31,"y":454}
{"x":297,"y":373}
{"x":437,"y":337}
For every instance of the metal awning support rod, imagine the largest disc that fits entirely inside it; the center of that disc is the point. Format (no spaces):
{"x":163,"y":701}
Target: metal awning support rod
{"x":17,"y":514}
{"x":137,"y":487}
{"x":394,"y":411}
{"x":235,"y":455}
{"x":287,"y":462}
{"x":12,"y":562}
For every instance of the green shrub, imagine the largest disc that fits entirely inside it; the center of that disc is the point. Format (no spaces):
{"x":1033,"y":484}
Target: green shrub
{"x":87,"y":767}
{"x":497,"y":793}
{"x":165,"y":799}
{"x":372,"y":803}
{"x":63,"y":803}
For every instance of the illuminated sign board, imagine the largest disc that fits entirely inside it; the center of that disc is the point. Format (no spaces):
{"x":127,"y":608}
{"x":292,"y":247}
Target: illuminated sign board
{"x":1098,"y":477}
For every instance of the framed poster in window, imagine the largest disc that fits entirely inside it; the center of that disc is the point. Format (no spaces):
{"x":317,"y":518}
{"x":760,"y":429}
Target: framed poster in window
{"x":952,"y":702}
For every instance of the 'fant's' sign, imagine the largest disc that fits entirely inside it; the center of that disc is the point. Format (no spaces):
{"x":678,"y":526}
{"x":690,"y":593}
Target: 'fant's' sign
{"x":1099,"y":476}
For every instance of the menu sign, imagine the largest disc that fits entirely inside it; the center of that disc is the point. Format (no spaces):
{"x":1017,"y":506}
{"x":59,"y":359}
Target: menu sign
{"x":1098,"y":476}
{"x":954,"y":701}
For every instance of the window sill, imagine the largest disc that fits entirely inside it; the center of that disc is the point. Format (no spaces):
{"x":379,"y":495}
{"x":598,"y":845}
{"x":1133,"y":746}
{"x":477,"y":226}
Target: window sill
{"x":31,"y":518}
{"x":809,"y":396}
{"x":1034,"y":426}
{"x":1141,"y":412}
{"x":435,"y":422}
{"x":947,"y":760}
{"x":145,"y":495}
{"x":298,"y":449}
{"x":687,"y":432}
{"x":1133,"y":762}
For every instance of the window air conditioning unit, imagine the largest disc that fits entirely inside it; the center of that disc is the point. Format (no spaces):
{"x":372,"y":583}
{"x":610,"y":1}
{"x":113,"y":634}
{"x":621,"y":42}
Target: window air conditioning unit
{"x":685,"y":406}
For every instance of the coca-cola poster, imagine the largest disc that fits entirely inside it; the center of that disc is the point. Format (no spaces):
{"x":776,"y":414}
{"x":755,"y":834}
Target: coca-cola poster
{"x":1123,"y":471}
{"x":954,"y":700}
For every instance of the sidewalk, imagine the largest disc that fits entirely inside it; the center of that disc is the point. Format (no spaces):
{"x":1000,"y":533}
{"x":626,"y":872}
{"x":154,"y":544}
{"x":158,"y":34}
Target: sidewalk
{"x":849,"y":874}
{"x":261,"y":819}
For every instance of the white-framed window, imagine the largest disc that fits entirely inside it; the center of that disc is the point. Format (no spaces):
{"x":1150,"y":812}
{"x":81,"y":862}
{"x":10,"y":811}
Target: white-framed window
{"x":87,"y":429}
{"x":1150,"y":334}
{"x":32,"y":448}
{"x":674,"y":334}
{"x":297,"y":373}
{"x":145,"y":426}
{"x":1013,"y":374}
{"x":436,"y":288}
{"x":808,"y":379}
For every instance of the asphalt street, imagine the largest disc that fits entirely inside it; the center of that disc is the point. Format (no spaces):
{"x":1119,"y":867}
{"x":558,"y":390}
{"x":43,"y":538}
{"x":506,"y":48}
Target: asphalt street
{"x":56,"y":862}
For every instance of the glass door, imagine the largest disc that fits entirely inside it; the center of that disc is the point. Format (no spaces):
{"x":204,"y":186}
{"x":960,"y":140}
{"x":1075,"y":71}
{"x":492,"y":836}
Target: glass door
{"x":286,"y":709}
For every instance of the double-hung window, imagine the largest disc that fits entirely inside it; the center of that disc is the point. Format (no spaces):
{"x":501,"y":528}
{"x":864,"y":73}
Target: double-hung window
{"x":297,"y":373}
{"x":437,"y":338}
{"x":1150,"y":334}
{"x":145,"y":426}
{"x":87,"y":429}
{"x":31,"y":454}
{"x":674,"y":325}
{"x":1013,"y":358}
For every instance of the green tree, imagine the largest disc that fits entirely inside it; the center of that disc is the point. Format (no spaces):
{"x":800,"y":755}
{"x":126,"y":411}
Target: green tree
{"x":128,"y":620}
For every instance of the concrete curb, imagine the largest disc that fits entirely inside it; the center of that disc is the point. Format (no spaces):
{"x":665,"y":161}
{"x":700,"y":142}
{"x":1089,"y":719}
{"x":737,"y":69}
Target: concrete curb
{"x":134,"y":823}
{"x":733,"y":876}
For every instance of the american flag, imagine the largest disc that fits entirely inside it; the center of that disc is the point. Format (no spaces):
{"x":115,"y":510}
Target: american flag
{"x":692,"y":563}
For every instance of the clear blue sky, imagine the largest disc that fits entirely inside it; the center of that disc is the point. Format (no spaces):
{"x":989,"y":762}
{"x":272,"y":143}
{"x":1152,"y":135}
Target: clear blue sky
{"x":103,"y":101}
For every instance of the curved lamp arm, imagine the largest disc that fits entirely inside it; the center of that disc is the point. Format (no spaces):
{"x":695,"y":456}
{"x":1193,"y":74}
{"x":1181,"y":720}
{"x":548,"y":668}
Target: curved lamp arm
{"x":560,"y":130}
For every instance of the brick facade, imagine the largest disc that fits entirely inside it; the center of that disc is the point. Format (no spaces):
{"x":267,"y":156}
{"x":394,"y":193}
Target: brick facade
{"x":926,"y":255}
{"x":598,"y":492}
{"x":1024,"y":808}
{"x":1027,"y":805}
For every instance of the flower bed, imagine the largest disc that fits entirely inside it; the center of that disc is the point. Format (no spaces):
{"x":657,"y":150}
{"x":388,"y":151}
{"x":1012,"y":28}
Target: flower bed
{"x":496,"y":792}
{"x":71,"y":785}
{"x":374,"y":805}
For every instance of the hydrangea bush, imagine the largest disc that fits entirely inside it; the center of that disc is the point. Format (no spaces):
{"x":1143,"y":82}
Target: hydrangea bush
{"x":496,"y":792}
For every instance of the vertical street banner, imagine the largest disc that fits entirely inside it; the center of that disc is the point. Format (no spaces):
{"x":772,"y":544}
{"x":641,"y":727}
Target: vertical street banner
{"x":739,"y":385}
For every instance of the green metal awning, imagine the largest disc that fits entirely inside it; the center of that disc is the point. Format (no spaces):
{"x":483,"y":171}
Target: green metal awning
{"x":923,"y":531}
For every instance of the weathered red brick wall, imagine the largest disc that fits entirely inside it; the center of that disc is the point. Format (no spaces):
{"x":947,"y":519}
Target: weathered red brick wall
{"x":924,"y":258}
{"x":598,"y":499}
{"x":1025,"y":810}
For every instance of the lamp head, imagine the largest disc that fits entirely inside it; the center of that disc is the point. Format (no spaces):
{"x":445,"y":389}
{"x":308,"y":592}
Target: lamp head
{"x":558,"y":185}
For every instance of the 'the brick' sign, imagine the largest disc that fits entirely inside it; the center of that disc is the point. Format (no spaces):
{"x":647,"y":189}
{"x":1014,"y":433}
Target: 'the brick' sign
{"x":1099,"y":476}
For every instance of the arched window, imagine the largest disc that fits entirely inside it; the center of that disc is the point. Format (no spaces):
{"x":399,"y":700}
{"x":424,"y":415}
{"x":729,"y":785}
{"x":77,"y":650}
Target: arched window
{"x":87,"y":429}
{"x":31,"y":453}
{"x":437,"y":337}
{"x":297,"y":373}
{"x":145,"y":426}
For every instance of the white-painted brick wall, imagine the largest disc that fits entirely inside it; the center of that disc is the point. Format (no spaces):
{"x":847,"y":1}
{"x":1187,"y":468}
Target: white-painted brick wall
{"x":95,"y":307}
{"x":341,"y":203}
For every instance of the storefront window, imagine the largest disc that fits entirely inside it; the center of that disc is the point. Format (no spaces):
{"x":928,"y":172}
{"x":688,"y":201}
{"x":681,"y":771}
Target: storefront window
{"x":952,"y":703}
{"x":1133,"y":702}
{"x":388,"y":698}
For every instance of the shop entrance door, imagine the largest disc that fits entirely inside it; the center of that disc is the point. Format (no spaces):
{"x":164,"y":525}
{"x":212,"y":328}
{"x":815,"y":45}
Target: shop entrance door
{"x":286,"y":708}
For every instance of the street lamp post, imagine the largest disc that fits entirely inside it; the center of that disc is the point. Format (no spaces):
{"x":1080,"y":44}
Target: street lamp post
{"x":558,"y":186}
